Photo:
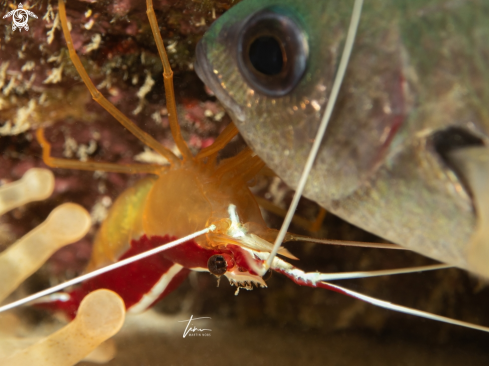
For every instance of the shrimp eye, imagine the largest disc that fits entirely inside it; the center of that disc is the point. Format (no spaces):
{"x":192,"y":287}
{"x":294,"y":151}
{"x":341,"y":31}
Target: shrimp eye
{"x":272,"y":52}
{"x":267,"y":275}
{"x":217,"y":265}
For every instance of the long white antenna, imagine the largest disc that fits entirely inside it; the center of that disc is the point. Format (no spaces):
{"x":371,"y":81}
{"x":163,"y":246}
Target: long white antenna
{"x":382,"y":272}
{"x":108,"y":268}
{"x":345,"y":57}
{"x":404,"y":309}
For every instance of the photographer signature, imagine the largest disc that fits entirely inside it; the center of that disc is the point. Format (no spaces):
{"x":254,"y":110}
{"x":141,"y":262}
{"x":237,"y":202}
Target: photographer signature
{"x":192,"y":329}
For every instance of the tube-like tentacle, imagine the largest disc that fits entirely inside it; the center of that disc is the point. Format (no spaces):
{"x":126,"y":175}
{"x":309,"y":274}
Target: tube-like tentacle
{"x":36,"y":184}
{"x":100,"y":316}
{"x":66,"y":224}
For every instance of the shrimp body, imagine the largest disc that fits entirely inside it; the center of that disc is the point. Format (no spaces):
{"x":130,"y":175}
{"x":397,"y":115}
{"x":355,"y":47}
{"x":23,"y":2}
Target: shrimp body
{"x":156,"y":211}
{"x":177,"y":203}
{"x":192,"y":193}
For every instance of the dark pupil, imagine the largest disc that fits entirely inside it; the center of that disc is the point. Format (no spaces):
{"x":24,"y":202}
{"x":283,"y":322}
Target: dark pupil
{"x":219,"y":262}
{"x":217,"y":265}
{"x":266,"y":55}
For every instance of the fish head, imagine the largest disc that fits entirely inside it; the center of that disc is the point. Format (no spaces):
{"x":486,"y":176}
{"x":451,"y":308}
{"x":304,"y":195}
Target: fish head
{"x":413,"y":93}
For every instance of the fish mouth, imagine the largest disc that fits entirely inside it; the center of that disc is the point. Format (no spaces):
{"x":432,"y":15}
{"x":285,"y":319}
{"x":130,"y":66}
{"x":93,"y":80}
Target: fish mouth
{"x":205,"y":72}
{"x":447,"y":142}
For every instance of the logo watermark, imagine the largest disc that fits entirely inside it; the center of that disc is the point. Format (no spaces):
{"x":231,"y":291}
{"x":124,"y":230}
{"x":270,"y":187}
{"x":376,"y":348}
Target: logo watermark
{"x":20,"y":16}
{"x":192,"y":331}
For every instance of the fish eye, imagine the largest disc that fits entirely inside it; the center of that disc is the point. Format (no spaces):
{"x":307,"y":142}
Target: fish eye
{"x":272,"y":53}
{"x":217,"y":265}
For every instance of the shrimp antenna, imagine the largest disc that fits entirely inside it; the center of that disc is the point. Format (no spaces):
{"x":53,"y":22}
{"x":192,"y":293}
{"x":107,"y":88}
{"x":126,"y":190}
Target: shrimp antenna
{"x":402,"y":309}
{"x":345,"y":57}
{"x":105,"y":269}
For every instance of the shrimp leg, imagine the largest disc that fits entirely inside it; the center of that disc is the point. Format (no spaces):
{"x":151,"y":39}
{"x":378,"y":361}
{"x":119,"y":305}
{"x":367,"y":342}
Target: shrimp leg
{"x":108,"y":106}
{"x":171,"y":105}
{"x":90,"y":165}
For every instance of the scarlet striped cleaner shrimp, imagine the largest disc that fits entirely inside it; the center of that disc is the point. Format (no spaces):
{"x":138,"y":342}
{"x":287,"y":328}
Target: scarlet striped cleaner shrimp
{"x":303,"y":315}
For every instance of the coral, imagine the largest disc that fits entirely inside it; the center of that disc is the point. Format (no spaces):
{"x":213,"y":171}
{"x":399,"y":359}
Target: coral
{"x":39,"y":85}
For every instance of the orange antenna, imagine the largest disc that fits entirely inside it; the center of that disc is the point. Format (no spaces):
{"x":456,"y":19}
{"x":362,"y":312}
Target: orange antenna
{"x":171,"y":105}
{"x":108,"y":106}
